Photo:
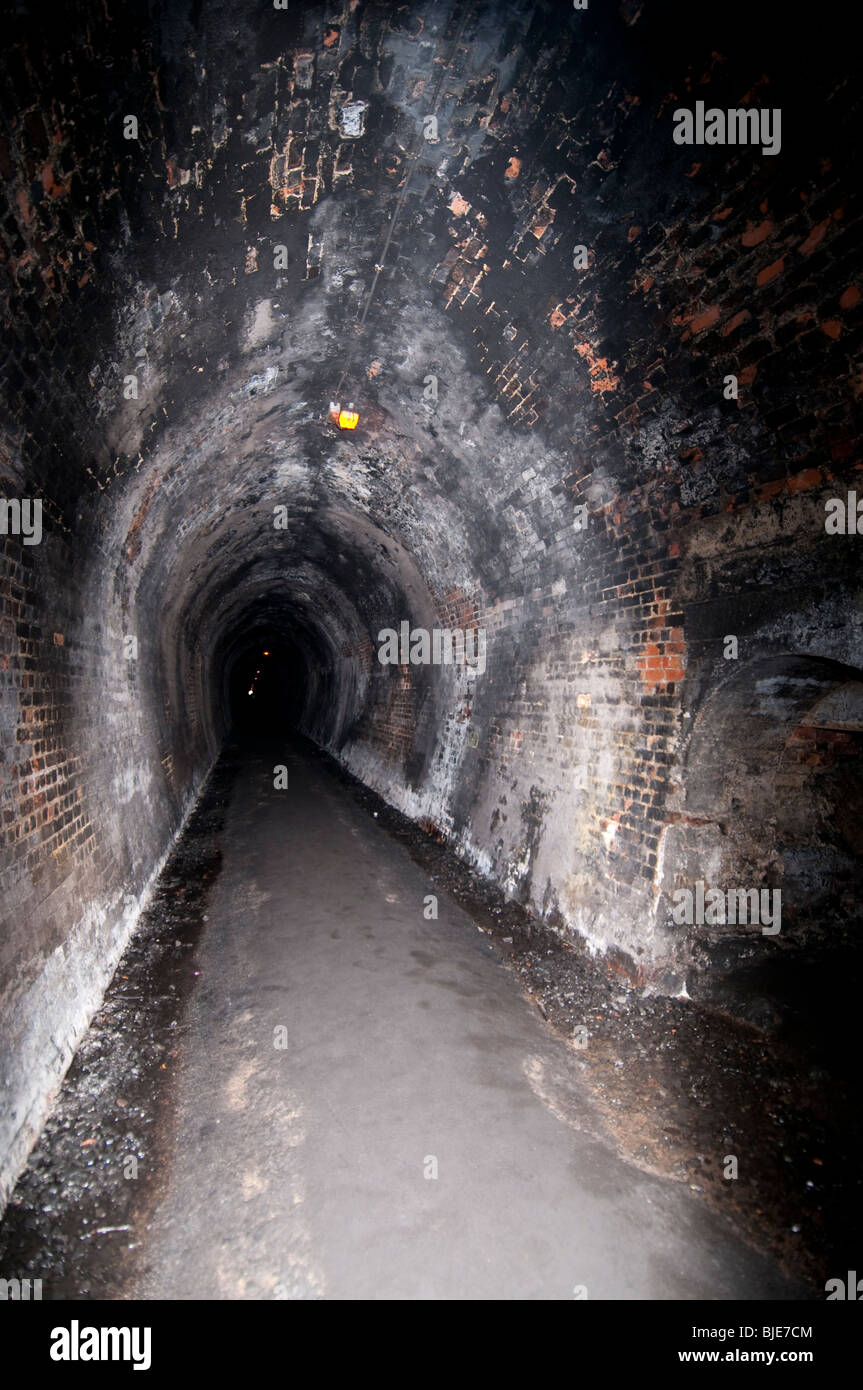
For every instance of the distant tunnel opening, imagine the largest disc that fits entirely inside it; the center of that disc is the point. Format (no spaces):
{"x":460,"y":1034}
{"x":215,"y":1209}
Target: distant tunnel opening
{"x":267,"y":689}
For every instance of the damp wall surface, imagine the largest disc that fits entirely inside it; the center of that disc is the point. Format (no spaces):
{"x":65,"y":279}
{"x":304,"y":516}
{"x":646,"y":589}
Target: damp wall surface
{"x":549,"y":450}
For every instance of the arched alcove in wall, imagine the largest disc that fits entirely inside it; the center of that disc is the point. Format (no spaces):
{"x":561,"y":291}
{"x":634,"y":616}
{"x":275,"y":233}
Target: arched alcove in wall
{"x":770,"y":798}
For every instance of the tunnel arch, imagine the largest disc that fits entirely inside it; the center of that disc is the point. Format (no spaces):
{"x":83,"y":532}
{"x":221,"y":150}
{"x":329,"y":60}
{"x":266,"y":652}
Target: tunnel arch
{"x":536,"y":446}
{"x":335,"y":659}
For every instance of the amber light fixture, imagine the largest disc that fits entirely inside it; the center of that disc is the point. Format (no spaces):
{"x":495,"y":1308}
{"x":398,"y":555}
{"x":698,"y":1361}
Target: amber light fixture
{"x":347,"y":418}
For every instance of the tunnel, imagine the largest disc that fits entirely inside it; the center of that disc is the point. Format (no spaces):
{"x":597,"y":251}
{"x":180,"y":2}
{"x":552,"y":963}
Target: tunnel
{"x":430,"y":569}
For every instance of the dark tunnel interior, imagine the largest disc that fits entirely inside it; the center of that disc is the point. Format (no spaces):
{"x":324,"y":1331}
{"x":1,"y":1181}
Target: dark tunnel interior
{"x":267,"y":687}
{"x":389,"y":394}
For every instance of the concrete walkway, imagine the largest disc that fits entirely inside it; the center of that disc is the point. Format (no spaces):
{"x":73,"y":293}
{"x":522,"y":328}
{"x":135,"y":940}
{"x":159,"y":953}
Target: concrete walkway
{"x":300,"y":1171}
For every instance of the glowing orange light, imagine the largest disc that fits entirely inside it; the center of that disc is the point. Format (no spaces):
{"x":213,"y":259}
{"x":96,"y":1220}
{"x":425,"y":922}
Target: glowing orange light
{"x":265,"y":653}
{"x":348,"y":419}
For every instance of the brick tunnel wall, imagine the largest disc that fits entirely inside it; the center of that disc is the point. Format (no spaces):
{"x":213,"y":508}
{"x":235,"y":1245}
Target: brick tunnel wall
{"x":545,"y":451}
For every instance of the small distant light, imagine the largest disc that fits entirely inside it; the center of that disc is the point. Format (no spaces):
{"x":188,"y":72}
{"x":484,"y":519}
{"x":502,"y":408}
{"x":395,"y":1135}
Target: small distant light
{"x":265,"y":653}
{"x":251,"y":690}
{"x":348,"y":419}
